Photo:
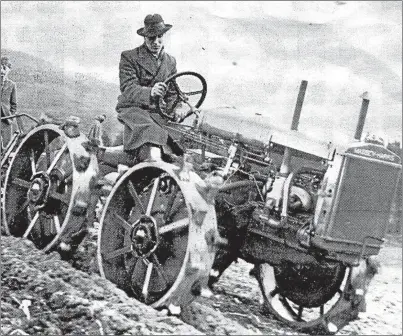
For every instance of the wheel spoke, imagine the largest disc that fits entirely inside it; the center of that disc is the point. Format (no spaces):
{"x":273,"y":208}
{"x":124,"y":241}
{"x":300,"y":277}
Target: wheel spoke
{"x":32,"y":159}
{"x":47,"y":149}
{"x":56,"y":159}
{"x":60,"y":197}
{"x":193,"y":93}
{"x":56,"y":221}
{"x":175,"y":209}
{"x":179,"y":224}
{"x":281,"y":307}
{"x":29,"y":214}
{"x":171,"y":200}
{"x":275,"y":300}
{"x":118,"y":252}
{"x":176,"y":102}
{"x":177,"y":88}
{"x":152,"y":196}
{"x":147,"y":280}
{"x":300,"y":310}
{"x":126,"y":225}
{"x":158,"y":266}
{"x":135,"y":195}
{"x":21,"y":182}
{"x":181,"y":95}
{"x":31,"y":225}
{"x":22,"y":208}
{"x":186,"y":101}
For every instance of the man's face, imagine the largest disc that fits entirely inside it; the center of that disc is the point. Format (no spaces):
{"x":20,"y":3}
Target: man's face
{"x":4,"y":72}
{"x":155,"y":43}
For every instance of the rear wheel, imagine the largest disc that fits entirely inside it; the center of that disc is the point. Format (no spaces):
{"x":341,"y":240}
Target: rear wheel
{"x":47,"y":187}
{"x":156,"y":237}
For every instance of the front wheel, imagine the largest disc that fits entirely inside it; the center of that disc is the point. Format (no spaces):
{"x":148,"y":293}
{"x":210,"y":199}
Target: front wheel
{"x":311,"y":298}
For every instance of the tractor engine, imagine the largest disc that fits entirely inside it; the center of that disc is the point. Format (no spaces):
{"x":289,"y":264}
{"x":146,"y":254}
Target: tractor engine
{"x":289,"y":203}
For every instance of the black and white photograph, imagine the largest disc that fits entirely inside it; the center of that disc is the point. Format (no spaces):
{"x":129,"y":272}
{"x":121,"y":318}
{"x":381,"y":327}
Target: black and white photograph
{"x":201,"y":168}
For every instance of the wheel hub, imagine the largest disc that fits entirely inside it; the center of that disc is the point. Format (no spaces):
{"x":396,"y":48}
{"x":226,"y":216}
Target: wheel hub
{"x":39,"y":189}
{"x":144,"y":236}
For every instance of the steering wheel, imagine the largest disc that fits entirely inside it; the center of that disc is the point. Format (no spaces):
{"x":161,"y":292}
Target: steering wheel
{"x":174,"y":92}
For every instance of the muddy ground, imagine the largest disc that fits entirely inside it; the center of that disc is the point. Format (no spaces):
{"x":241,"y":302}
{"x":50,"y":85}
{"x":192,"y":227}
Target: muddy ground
{"x":66,"y":301}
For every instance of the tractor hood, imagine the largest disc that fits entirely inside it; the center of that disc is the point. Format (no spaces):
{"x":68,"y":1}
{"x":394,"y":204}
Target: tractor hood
{"x":253,"y":129}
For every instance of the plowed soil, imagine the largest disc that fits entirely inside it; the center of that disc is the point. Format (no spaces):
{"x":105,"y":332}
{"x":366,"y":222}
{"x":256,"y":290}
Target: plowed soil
{"x":63,"y":300}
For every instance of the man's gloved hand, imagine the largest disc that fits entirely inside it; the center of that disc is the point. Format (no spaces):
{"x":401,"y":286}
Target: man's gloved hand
{"x":158,"y":89}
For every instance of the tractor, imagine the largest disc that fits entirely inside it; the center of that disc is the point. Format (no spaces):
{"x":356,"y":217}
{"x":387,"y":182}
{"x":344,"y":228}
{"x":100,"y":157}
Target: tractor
{"x":310,"y":216}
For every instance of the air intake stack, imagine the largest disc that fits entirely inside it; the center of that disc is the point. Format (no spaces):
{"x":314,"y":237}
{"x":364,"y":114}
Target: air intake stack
{"x":362,"y":117}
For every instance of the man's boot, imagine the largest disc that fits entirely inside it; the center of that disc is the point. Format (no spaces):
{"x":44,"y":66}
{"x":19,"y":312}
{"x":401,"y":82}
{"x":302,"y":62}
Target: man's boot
{"x":149,"y":153}
{"x":168,"y":155}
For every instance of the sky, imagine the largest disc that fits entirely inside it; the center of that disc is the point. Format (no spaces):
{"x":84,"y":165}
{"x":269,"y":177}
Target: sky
{"x":253,"y":54}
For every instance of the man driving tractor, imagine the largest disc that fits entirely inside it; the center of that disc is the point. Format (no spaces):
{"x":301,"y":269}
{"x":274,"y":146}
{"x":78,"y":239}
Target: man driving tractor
{"x":142,"y":72}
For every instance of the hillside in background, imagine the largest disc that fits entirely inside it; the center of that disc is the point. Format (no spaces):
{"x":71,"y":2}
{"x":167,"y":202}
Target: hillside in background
{"x":253,"y":55}
{"x":44,"y":88}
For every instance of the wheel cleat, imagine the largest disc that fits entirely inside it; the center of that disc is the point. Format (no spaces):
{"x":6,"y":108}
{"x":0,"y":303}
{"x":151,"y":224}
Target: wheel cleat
{"x":206,"y":293}
{"x":214,"y":273}
{"x":332,"y":327}
{"x":64,"y":247}
{"x":174,"y":310}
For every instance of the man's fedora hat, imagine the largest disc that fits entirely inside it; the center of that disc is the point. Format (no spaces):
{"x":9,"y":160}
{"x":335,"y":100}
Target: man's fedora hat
{"x":153,"y":26}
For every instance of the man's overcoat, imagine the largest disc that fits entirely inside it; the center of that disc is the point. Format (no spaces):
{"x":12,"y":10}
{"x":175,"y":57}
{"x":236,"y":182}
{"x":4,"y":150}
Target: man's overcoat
{"x":8,"y":98}
{"x":8,"y":108}
{"x":139,"y":70}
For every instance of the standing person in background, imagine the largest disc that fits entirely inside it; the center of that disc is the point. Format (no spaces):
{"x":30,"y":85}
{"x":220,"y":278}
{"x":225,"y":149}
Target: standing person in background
{"x":142,"y":72}
{"x":8,"y":102}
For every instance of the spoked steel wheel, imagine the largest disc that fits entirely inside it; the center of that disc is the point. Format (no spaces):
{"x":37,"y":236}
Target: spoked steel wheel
{"x":47,"y":187}
{"x":157,"y":235}
{"x":310,"y":298}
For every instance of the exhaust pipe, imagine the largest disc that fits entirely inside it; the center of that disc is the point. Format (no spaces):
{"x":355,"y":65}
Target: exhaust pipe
{"x":286,"y":163}
{"x":298,"y":105}
{"x":362,"y":116}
